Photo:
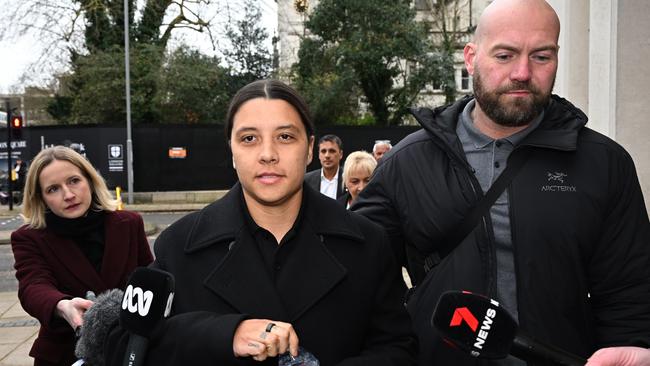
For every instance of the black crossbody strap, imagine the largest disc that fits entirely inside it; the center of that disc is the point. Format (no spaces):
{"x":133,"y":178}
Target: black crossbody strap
{"x":515,"y":162}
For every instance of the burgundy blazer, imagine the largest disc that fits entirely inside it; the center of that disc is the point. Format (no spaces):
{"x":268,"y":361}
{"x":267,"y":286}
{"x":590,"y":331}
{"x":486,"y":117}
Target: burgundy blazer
{"x":50,"y":268}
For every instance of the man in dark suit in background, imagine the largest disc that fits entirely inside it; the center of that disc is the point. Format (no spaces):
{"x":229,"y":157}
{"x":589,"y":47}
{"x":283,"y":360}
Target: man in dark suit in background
{"x":327,"y":180}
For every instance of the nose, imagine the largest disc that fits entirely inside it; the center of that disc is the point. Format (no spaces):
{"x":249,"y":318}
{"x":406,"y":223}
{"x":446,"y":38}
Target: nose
{"x":521,"y":70}
{"x":67,"y":194}
{"x":361,"y":186}
{"x":268,"y":154}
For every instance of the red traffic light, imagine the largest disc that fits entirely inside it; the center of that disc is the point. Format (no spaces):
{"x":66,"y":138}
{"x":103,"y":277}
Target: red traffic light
{"x":16,"y":122}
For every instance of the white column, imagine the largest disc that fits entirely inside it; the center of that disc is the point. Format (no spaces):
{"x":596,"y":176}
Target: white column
{"x":602,"y":66}
{"x":561,"y":87}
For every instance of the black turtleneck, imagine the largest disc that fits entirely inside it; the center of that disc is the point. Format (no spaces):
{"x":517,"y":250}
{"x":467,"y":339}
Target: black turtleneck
{"x":86,"y":231}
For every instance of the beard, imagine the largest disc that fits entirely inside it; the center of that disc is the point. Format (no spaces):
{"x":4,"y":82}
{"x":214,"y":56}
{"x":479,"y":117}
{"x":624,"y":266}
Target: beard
{"x":516,"y":113}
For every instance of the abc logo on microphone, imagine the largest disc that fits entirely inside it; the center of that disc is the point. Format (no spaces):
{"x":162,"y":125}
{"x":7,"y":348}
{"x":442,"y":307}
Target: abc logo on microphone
{"x":147,"y":299}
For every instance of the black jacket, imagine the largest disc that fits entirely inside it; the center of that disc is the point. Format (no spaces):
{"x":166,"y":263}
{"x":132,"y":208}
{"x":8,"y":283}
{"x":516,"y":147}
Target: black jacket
{"x":341,"y":289}
{"x":580,"y":229}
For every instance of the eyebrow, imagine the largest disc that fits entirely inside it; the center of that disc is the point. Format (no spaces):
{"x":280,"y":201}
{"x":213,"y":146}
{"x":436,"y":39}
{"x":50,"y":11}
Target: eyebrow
{"x":502,"y":46}
{"x":282,"y":127}
{"x":287,"y":127}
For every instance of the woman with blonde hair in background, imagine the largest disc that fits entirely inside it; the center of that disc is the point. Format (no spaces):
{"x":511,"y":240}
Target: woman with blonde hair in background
{"x":73,"y":241}
{"x":357,"y":171}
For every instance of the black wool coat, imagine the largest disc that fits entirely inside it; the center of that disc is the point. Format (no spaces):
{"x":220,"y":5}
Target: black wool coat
{"x":340,"y":289}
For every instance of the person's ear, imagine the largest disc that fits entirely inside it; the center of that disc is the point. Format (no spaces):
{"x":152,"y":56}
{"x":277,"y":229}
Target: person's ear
{"x":469,"y":55}
{"x":310,"y":150}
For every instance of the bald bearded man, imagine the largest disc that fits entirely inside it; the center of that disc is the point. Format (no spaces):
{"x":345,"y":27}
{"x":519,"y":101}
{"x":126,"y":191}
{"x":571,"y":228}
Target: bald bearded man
{"x":566,"y":246}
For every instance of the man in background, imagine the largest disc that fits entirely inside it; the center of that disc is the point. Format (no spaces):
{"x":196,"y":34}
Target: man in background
{"x":381,"y":147}
{"x":327,"y":180}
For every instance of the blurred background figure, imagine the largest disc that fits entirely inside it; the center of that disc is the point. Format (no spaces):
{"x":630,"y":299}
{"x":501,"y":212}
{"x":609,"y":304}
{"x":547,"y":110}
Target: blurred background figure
{"x":381,"y":147}
{"x":74,"y":241}
{"x":328,"y":179}
{"x":357,"y":170}
{"x":21,"y":170}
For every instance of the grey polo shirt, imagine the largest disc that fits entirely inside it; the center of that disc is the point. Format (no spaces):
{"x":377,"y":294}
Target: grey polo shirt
{"x":488,"y":157}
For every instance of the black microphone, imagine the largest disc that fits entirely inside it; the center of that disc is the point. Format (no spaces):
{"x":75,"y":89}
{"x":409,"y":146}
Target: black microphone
{"x":147,"y":300}
{"x":481,"y":327}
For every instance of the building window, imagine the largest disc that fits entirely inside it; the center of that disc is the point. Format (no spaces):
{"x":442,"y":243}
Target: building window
{"x":464,"y":79}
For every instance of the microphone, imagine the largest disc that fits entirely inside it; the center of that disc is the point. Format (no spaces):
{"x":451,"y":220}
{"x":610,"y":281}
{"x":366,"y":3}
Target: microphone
{"x":147,"y":300}
{"x":479,"y":326}
{"x":98,"y":321}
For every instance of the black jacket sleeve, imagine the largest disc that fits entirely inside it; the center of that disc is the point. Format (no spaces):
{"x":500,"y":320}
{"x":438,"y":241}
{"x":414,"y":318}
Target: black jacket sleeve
{"x":376,"y":202}
{"x":195,"y":338}
{"x":619,"y":269}
{"x":390,"y":340}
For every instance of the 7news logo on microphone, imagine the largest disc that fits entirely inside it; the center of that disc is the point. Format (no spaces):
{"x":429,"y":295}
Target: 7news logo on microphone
{"x":474,"y":324}
{"x":456,"y":318}
{"x":463,"y":314}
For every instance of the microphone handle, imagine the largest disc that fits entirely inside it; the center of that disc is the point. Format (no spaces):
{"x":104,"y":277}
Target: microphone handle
{"x":526,"y":346}
{"x":136,"y":350}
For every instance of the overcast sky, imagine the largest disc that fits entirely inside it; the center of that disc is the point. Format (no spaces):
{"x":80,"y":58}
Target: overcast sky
{"x":17,"y":54}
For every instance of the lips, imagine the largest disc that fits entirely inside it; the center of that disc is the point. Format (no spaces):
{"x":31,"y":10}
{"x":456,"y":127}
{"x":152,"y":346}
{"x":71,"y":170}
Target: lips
{"x":73,"y":206}
{"x":518,"y":92}
{"x":268,"y":178}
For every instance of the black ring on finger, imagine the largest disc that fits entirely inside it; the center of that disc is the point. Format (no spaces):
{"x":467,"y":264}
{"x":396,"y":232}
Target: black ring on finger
{"x":269,"y":327}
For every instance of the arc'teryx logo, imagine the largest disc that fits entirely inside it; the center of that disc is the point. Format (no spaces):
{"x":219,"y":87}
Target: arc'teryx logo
{"x":143,"y":304}
{"x":556,"y":176}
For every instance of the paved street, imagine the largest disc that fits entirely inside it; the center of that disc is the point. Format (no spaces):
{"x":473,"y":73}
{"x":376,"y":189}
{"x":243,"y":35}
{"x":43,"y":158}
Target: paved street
{"x":11,"y":222}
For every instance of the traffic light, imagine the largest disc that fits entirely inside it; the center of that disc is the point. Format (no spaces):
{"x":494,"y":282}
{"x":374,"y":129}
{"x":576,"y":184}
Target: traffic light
{"x":16,"y":126}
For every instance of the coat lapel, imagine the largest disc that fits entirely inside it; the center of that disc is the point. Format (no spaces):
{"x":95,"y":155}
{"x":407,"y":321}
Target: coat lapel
{"x":241,"y":278}
{"x":242,"y":281}
{"x":313,"y":271}
{"x":116,"y":245}
{"x":73,"y":259}
{"x":310,"y":273}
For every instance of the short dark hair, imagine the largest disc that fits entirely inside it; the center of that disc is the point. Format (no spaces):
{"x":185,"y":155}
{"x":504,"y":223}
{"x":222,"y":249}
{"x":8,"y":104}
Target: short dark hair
{"x":269,"y":89}
{"x":331,"y":138}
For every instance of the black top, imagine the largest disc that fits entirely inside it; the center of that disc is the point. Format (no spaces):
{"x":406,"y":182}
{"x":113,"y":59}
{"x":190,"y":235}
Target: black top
{"x":274,"y":254}
{"x":86,"y":231}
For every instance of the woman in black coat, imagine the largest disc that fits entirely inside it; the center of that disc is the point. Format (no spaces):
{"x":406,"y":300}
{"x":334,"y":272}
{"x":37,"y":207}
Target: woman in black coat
{"x":274,"y":266}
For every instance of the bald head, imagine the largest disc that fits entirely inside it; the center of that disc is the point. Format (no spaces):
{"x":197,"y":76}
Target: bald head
{"x":513,"y":61}
{"x":502,"y":14}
